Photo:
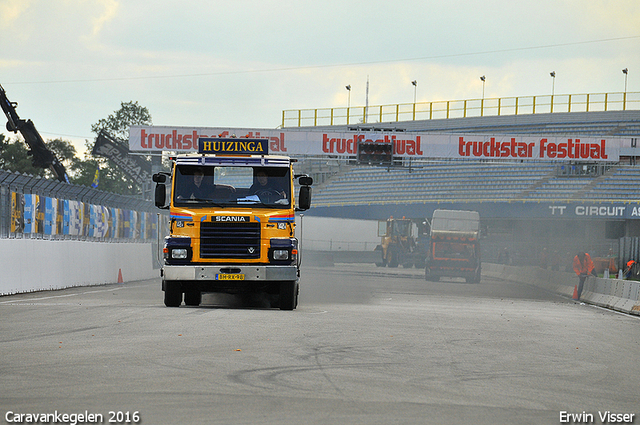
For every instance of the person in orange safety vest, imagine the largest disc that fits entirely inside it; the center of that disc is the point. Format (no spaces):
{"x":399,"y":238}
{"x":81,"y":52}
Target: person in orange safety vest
{"x":583,"y":266}
{"x":629,"y":270}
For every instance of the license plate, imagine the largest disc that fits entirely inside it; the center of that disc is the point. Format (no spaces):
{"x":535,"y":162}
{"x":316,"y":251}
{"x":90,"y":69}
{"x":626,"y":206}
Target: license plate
{"x":226,"y":276}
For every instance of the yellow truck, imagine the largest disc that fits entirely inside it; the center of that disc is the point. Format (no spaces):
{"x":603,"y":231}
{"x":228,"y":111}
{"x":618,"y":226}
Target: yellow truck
{"x":231,"y":223}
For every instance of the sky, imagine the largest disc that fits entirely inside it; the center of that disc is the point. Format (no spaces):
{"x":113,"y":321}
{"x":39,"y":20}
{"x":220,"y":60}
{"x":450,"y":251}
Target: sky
{"x":240,"y":63}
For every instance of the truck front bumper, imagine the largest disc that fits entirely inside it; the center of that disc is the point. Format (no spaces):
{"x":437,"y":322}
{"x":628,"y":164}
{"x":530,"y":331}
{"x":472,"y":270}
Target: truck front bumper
{"x":437,"y":273}
{"x":211,"y":273}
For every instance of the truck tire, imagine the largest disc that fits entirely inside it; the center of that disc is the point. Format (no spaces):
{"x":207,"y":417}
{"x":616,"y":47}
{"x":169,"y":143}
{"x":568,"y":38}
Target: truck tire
{"x":383,"y":262}
{"x":172,"y":294}
{"x":475,"y":278}
{"x":289,"y":295}
{"x":429,"y":276}
{"x":393,"y":259}
{"x":193,"y":298}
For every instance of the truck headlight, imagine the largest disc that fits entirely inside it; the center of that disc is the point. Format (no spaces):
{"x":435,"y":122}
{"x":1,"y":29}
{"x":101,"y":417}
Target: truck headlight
{"x":280,"y":254}
{"x":179,"y":253}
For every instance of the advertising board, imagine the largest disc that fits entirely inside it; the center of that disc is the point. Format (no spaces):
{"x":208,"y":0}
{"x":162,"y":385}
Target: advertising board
{"x":405,"y":145}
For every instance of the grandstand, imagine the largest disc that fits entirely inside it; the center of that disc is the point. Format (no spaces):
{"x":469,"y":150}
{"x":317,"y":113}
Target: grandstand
{"x":622,"y":184}
{"x":477,"y":181}
{"x":467,"y":180}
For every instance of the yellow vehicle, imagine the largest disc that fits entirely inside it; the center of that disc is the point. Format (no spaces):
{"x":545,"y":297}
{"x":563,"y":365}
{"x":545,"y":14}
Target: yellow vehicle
{"x":397,"y":243}
{"x":232,"y":223}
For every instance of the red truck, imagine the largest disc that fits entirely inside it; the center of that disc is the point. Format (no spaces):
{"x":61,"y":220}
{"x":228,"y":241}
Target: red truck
{"x":454,"y":246}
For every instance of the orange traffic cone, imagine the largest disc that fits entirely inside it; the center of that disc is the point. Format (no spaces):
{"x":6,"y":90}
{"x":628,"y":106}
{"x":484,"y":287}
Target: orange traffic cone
{"x":120,"y":276}
{"x":575,"y":293}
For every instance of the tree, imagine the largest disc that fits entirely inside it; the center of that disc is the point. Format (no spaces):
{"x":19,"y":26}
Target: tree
{"x":14,"y":157}
{"x":84,"y":171}
{"x":118,"y":123}
{"x":63,"y":150}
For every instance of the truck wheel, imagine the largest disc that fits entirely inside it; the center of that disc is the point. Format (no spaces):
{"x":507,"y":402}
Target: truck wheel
{"x":429,"y":276}
{"x":393,"y":260}
{"x":289,"y":295}
{"x":172,"y":294}
{"x":383,"y":263}
{"x":475,"y":278}
{"x":193,"y":298}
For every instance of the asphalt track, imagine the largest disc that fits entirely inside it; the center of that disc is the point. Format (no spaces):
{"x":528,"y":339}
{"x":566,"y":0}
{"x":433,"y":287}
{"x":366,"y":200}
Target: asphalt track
{"x":366,"y":346}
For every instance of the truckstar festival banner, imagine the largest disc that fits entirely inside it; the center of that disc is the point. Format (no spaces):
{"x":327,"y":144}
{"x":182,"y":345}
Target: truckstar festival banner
{"x":407,"y":145}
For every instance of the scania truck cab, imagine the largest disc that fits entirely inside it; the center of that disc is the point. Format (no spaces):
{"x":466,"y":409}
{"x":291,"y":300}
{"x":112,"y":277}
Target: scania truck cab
{"x":232,"y":223}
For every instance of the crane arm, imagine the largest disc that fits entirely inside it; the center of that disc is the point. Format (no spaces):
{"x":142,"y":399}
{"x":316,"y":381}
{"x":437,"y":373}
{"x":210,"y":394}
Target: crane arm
{"x":42,"y":157}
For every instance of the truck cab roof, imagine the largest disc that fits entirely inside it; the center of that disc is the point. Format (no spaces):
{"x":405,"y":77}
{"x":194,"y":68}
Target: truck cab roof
{"x":233,"y":160}
{"x":455,"y":221}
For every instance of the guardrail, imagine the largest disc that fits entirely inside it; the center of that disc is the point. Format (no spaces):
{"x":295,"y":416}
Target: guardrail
{"x":615,"y":294}
{"x":444,"y":109}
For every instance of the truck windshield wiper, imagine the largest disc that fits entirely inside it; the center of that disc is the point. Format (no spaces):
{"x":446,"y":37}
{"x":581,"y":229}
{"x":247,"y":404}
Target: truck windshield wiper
{"x":200,"y":201}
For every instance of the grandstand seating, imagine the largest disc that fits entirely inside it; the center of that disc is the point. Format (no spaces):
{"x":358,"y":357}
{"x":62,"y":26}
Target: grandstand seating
{"x":623,"y":183}
{"x":474,"y":181}
{"x":462,"y":180}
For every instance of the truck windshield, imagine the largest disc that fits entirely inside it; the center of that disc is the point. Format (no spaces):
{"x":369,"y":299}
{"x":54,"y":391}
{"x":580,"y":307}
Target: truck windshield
{"x":201,"y":186}
{"x":401,"y":228}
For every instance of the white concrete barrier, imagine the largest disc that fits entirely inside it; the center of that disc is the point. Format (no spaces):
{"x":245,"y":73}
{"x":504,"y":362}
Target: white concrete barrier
{"x":616,"y":294}
{"x":28,"y":265}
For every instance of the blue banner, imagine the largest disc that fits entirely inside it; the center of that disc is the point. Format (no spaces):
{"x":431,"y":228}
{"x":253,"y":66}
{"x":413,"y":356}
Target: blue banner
{"x":629,"y":210}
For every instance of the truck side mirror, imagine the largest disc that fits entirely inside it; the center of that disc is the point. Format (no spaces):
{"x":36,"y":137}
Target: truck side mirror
{"x":304,"y":198}
{"x":161,"y":195}
{"x":305,"y":180}
{"x":159,"y":178}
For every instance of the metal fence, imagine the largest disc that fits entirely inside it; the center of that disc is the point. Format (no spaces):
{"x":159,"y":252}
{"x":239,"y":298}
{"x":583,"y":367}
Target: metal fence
{"x":629,"y":250}
{"x":39,"y":208}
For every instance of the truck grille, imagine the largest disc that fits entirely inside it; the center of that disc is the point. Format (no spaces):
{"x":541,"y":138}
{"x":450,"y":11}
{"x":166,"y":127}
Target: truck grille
{"x":230,"y":240}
